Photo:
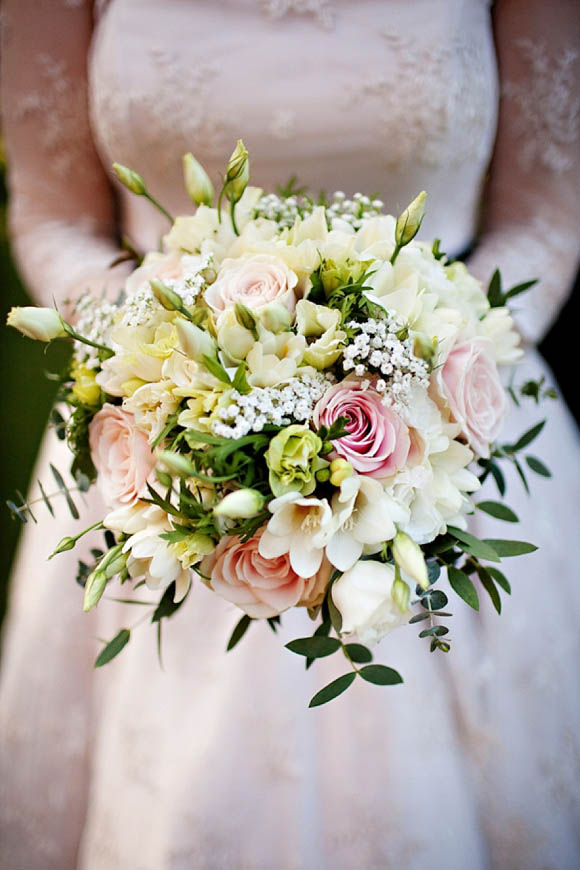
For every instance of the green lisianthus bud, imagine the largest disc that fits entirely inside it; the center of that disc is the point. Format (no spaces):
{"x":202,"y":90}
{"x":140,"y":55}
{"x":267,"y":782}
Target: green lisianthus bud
{"x":246,"y":318}
{"x":293,"y":459}
{"x":241,"y":504}
{"x":41,"y":324}
{"x":197,"y":343}
{"x":131,"y":179}
{"x":112,"y":563}
{"x":175,"y":463}
{"x":410,"y":220}
{"x":167,"y":297}
{"x":237,"y":173}
{"x":400,"y":593}
{"x":410,"y":559}
{"x":197,"y":181}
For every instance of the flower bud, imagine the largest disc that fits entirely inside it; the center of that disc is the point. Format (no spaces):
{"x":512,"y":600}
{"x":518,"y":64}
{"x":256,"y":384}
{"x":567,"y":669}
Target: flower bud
{"x":409,"y":557}
{"x":400,"y":594}
{"x":112,"y":563}
{"x":246,"y":318}
{"x":241,"y":504}
{"x":65,"y":544}
{"x":410,"y":220}
{"x":237,"y":173}
{"x":196,"y":342}
{"x":167,"y":297}
{"x":176,"y":463}
{"x":132,"y":180}
{"x":197,"y":181}
{"x":340,"y":469}
{"x":275,"y":317}
{"x":322,"y":475}
{"x":42,"y":324}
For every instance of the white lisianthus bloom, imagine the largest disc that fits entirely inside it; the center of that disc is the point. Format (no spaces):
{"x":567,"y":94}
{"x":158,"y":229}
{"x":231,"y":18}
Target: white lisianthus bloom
{"x":151,"y":405}
{"x":364,"y":514}
{"x":300,"y":526}
{"x":321,"y":323}
{"x":363,"y":595}
{"x":499,"y":327}
{"x":41,"y":324}
{"x":276,"y":359}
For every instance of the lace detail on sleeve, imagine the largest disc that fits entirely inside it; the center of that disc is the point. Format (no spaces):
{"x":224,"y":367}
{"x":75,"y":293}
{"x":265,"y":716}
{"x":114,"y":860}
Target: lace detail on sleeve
{"x":321,"y":10}
{"x":548,"y":118}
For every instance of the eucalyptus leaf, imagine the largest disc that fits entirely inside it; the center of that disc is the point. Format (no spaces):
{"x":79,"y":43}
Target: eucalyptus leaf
{"x":437,"y":600}
{"x":510,"y":548}
{"x":333,"y":690}
{"x":113,"y":648}
{"x":380,"y":675}
{"x":434,"y":631}
{"x":419,"y":617}
{"x":433,"y":571}
{"x":463,"y":586}
{"x":45,"y":499}
{"x":498,"y":510}
{"x":471,"y":544}
{"x":239,"y":631}
{"x":538,"y":466}
{"x":315,"y":647}
{"x":358,"y":653}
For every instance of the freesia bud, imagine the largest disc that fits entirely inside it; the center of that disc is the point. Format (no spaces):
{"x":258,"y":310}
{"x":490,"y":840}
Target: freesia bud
{"x":340,"y":469}
{"x":400,"y":594}
{"x":197,"y":181}
{"x":167,"y":297}
{"x":176,"y":463}
{"x":410,"y":559}
{"x":275,"y":317}
{"x":112,"y":563}
{"x":237,"y":173}
{"x":196,"y":342}
{"x":246,"y":318}
{"x":131,"y":179}
{"x":241,"y":504}
{"x":42,"y":324}
{"x":410,"y":220}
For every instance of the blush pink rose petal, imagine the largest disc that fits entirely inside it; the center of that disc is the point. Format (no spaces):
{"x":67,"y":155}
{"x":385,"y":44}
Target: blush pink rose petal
{"x":378,"y":442}
{"x":121,"y":455}
{"x":470,"y":383}
{"x":261,"y":587}
{"x":255,"y":280}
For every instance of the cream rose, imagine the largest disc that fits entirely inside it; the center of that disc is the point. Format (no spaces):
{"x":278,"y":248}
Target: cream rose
{"x":470,"y":384}
{"x":121,"y":455}
{"x":255,"y":280}
{"x":259,"y":586}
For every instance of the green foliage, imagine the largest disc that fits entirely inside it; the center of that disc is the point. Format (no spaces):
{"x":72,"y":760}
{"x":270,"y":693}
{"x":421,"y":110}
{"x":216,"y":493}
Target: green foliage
{"x":510,"y":548}
{"x":472,"y":545}
{"x":239,"y":631}
{"x":113,"y":648}
{"x":315,"y":647}
{"x":380,"y":675}
{"x":358,"y":653}
{"x":498,"y":510}
{"x":332,"y":690}
{"x":536,"y":465}
{"x":497,"y":297}
{"x":462,"y":585}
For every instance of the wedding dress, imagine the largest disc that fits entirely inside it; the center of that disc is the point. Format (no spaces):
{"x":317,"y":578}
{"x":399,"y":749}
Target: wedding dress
{"x":215,"y":761}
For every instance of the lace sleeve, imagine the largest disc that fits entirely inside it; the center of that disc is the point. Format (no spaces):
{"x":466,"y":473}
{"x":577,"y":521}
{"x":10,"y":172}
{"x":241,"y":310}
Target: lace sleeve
{"x":61,"y":209}
{"x":533,"y":209}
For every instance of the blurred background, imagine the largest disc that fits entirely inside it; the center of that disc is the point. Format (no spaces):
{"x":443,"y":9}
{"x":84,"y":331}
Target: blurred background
{"x":27,"y":392}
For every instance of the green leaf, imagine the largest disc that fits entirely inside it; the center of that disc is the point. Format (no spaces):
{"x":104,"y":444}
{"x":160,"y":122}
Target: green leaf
{"x":489,"y":587}
{"x":470,"y":544}
{"x":436,"y":600}
{"x":520,"y":288}
{"x":419,"y":617}
{"x":113,"y":648}
{"x":498,"y":510}
{"x":510,"y":548}
{"x":462,"y":585}
{"x":167,"y":606}
{"x":239,"y":631}
{"x":538,"y":466}
{"x":216,"y":369}
{"x":500,"y":579}
{"x":64,"y":489}
{"x":45,"y":499}
{"x":315,"y":647}
{"x":332,"y":690}
{"x":520,"y":471}
{"x":240,"y":382}
{"x":434,"y":631}
{"x":358,"y":653}
{"x":433,"y":571}
{"x":334,"y":612}
{"x":497,"y":475}
{"x":494,"y":292}
{"x":380,"y":675}
{"x":528,"y":436}
{"x":17,"y":511}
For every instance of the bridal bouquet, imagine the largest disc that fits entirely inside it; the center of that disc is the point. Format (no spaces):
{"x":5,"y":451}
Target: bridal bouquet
{"x":292,"y":403}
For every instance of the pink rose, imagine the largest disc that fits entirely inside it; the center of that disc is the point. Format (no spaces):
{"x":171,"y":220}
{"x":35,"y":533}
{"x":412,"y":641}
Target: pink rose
{"x":254,"y":280}
{"x":378,"y":441}
{"x":121,"y":455}
{"x":470,"y":384}
{"x":261,"y":587}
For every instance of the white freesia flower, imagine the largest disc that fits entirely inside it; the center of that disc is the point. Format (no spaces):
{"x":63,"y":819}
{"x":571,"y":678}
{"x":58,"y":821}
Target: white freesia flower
{"x":363,"y":595}
{"x":499,"y":327}
{"x":364,"y":514}
{"x":299,"y":526}
{"x":151,"y":405}
{"x":154,"y":559}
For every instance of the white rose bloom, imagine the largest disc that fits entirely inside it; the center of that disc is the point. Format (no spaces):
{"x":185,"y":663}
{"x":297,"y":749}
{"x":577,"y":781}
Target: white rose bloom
{"x":254,"y":280}
{"x":299,"y":526}
{"x":364,"y":515}
{"x":363,"y":597}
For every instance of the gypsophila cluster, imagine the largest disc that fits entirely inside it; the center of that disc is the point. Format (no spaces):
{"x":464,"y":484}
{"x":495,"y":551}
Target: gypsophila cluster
{"x":292,"y":402}
{"x":378,"y":349}
{"x":285,"y":210}
{"x":95,"y":318}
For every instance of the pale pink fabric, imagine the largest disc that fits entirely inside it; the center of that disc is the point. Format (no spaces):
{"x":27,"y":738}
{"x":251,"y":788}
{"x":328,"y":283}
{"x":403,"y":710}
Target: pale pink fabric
{"x":215,"y":761}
